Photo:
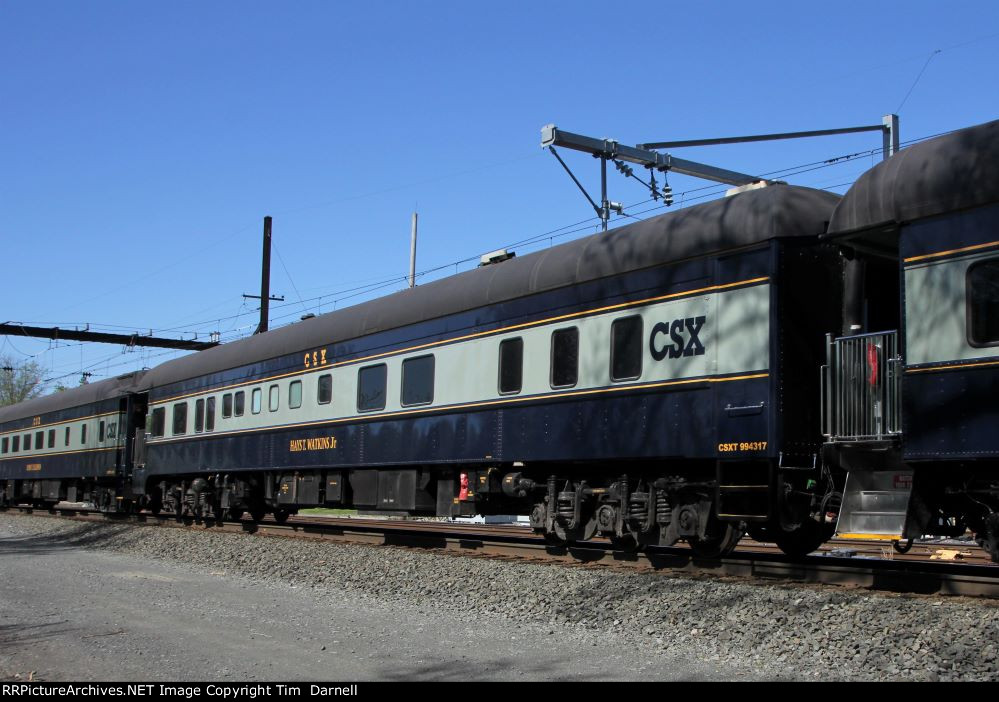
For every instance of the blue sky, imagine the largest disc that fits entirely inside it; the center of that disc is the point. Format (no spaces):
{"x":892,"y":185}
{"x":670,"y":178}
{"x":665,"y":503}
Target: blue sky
{"x":143,"y":143}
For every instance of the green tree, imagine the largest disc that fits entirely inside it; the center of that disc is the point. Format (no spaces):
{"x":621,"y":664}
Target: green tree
{"x":19,"y":381}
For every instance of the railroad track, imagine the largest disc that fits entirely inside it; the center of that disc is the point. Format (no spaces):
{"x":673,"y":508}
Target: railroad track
{"x":872,"y":565}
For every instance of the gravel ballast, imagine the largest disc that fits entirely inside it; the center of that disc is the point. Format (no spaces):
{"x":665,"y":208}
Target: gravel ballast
{"x":776,"y":631}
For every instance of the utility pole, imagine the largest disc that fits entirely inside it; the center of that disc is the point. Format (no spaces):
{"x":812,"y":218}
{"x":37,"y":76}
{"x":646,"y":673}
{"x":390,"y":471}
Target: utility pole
{"x":265,"y":281}
{"x":412,"y":253}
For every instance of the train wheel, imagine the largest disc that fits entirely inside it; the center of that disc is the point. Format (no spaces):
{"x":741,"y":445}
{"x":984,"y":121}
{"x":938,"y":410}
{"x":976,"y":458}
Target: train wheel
{"x":803,"y":540}
{"x":554,"y":541}
{"x":717,"y":545}
{"x":281,"y":515}
{"x":627,"y":543}
{"x":234,"y":514}
{"x":988,"y":537}
{"x":584,"y":533}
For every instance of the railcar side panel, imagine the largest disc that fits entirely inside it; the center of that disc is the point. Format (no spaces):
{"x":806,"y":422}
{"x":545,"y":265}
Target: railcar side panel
{"x":81,"y":442}
{"x":948,"y":391}
{"x":698,"y":335}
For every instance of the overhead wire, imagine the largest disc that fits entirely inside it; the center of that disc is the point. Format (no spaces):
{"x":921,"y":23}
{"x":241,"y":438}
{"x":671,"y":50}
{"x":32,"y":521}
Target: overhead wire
{"x":377,"y":284}
{"x":290,"y":279}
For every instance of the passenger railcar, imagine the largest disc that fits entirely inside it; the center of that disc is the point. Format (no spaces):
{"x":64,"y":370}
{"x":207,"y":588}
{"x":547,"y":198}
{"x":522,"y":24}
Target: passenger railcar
{"x":912,"y":411}
{"x":73,"y":445}
{"x":730,"y":366}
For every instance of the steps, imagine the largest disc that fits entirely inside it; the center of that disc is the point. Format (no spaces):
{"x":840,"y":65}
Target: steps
{"x":875,"y":504}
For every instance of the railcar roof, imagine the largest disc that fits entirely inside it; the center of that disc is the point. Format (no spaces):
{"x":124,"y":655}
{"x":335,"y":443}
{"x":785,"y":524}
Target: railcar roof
{"x":951,"y":172}
{"x":740,"y":220}
{"x":73,"y":397}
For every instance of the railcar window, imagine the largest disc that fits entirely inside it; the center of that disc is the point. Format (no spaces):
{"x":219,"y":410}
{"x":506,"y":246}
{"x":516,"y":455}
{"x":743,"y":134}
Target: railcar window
{"x":100,"y":432}
{"x":325,"y":389}
{"x":626,"y":348}
{"x":39,"y":440}
{"x":295,"y":394}
{"x":4,"y":445}
{"x":418,"y":381}
{"x":83,"y":434}
{"x":199,"y":416}
{"x":227,"y":405}
{"x":51,"y":438}
{"x":210,"y":414}
{"x":511,"y":366}
{"x":983,"y":303}
{"x":255,"y":400}
{"x":159,"y":421}
{"x":273,"y":398}
{"x":180,"y":418}
{"x":27,"y":442}
{"x":241,"y":403}
{"x":16,"y":444}
{"x":67,"y":435}
{"x":565,"y":358}
{"x":371,"y":383}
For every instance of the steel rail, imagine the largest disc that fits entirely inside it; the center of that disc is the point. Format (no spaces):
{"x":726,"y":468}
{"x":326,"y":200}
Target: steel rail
{"x":758,"y":563}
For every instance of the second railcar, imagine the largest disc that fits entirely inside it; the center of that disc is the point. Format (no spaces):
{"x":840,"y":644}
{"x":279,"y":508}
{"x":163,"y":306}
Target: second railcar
{"x":644,"y":383}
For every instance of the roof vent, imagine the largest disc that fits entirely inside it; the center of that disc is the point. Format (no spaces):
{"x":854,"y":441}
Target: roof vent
{"x":307,"y":315}
{"x":497,"y":256}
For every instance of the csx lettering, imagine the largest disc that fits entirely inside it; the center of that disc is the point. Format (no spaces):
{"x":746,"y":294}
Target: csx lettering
{"x":680,"y":345}
{"x":315,"y":358}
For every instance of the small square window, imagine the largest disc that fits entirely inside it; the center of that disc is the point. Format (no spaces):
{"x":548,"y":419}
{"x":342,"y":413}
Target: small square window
{"x":418,"y":381}
{"x":240,"y":405}
{"x":51,"y":438}
{"x":274,"y":399}
{"x":210,"y":414}
{"x":626,"y":348}
{"x":227,"y":405}
{"x":511,"y":366}
{"x":256,"y":399}
{"x":199,"y":416}
{"x":371,"y":383}
{"x":158,"y":427}
{"x":982,"y":285}
{"x":565,"y":358}
{"x":325,"y":389}
{"x":180,"y":418}
{"x":295,"y":394}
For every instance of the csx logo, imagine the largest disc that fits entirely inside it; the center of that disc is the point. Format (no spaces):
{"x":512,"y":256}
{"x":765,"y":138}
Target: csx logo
{"x":674,"y":331}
